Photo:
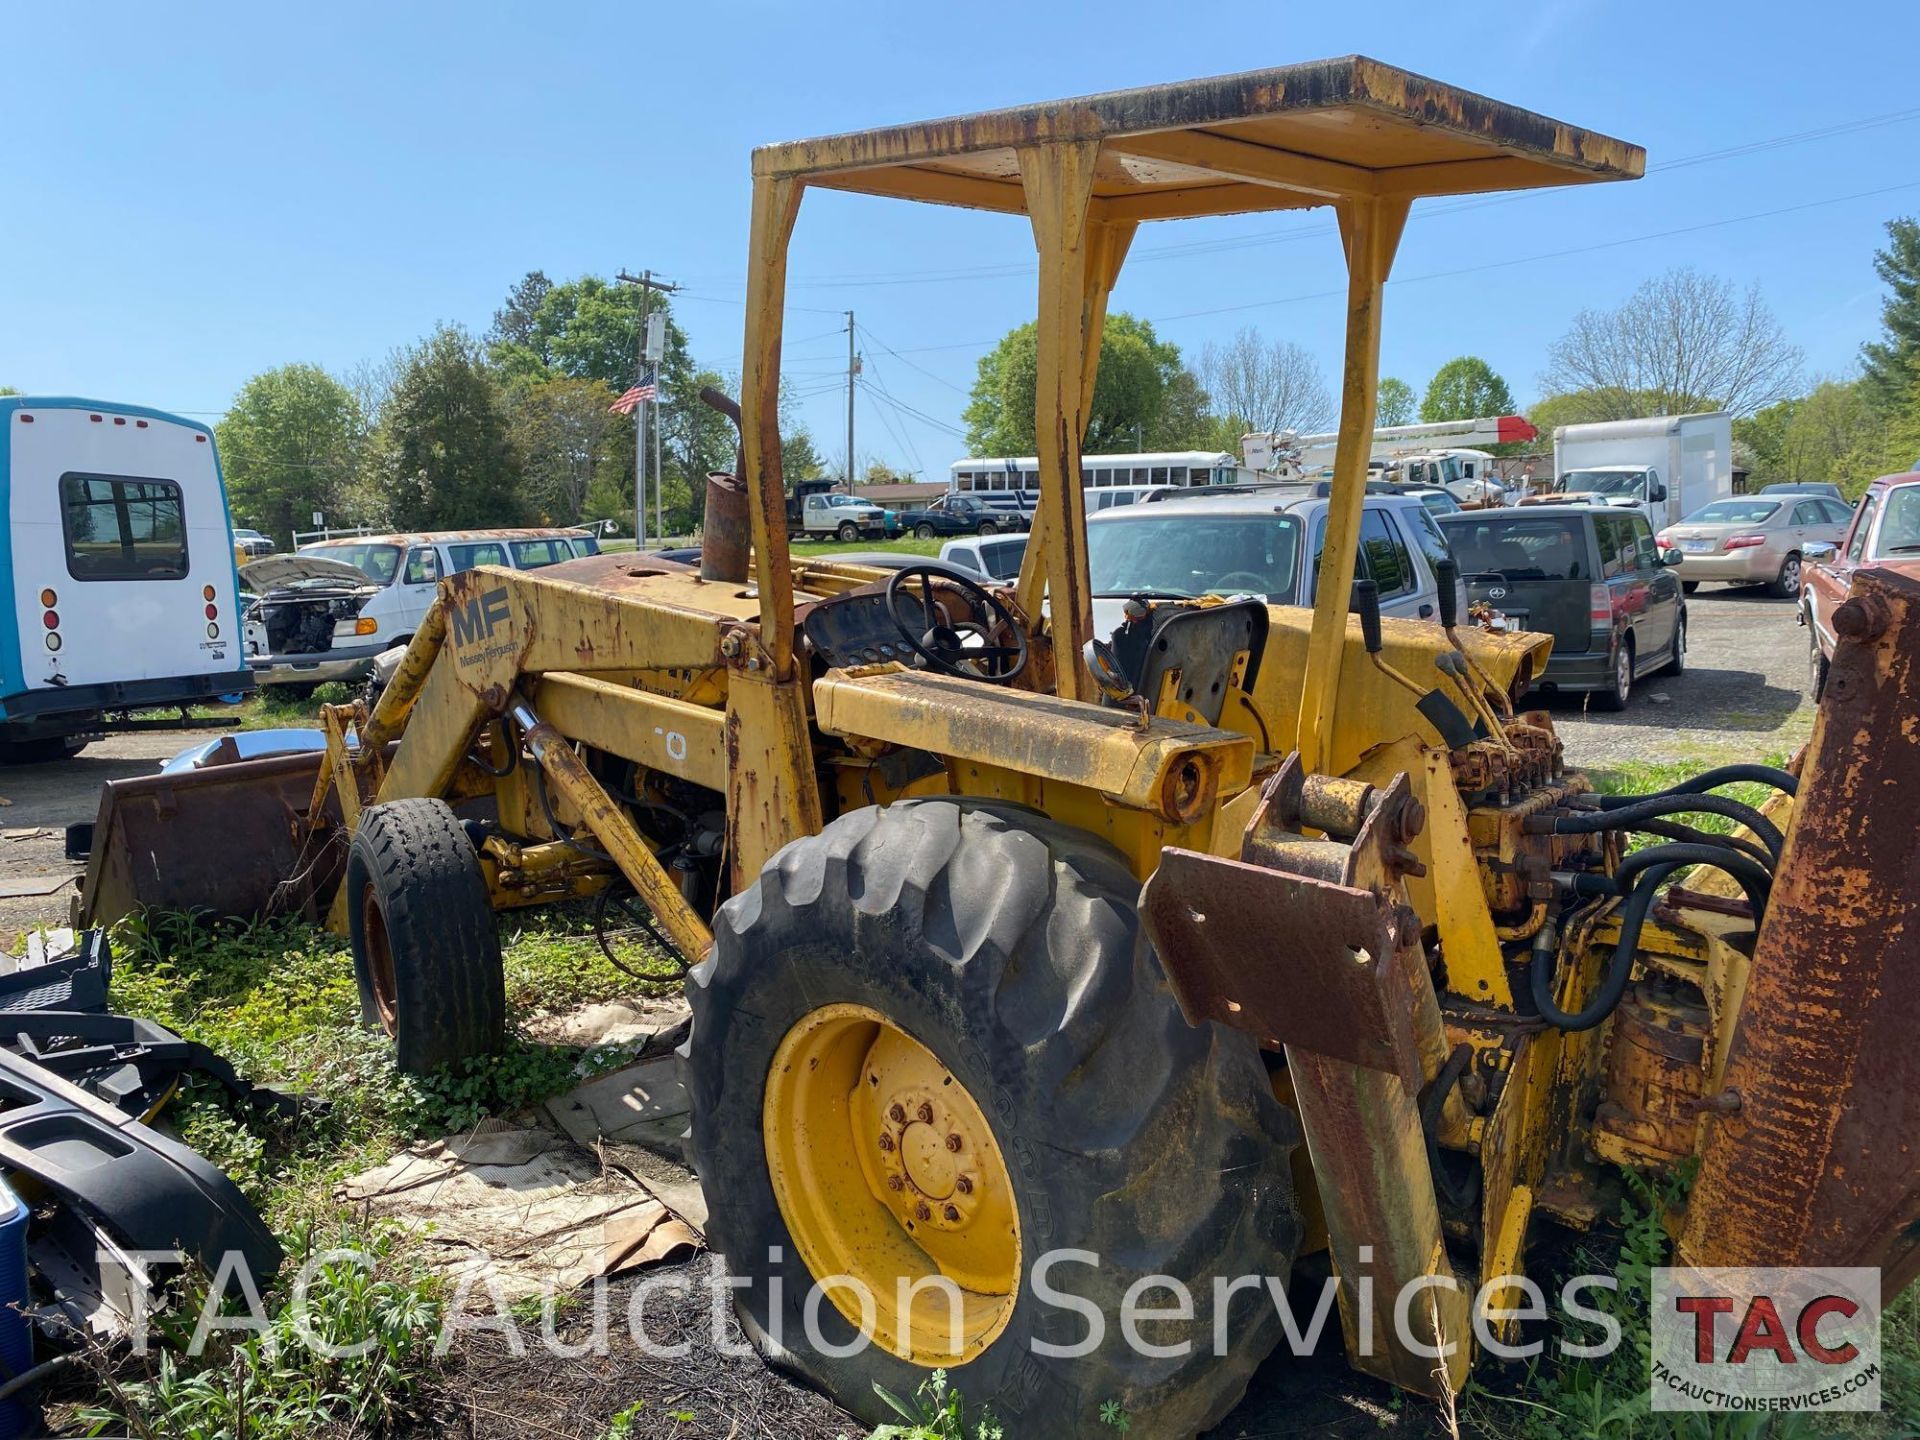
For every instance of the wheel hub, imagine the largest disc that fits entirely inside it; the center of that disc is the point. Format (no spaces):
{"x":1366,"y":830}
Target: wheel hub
{"x":886,"y":1171}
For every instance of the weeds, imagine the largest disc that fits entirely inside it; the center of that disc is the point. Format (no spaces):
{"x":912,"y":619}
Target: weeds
{"x":936,"y":1413}
{"x":354,"y":1354}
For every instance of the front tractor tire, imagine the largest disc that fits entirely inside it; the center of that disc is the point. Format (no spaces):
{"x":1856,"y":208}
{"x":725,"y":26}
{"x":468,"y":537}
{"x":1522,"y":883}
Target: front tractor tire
{"x":930,"y":1041}
{"x":426,"y":955}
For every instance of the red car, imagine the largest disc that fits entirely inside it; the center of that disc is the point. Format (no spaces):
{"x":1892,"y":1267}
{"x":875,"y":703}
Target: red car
{"x":1885,"y":534}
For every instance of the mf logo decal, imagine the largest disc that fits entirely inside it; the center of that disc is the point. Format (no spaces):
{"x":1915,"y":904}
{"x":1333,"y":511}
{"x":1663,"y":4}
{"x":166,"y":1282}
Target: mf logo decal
{"x":472,"y":626}
{"x":479,"y":617}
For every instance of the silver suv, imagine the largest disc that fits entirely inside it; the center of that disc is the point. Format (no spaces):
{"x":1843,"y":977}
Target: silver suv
{"x":1258,"y":540}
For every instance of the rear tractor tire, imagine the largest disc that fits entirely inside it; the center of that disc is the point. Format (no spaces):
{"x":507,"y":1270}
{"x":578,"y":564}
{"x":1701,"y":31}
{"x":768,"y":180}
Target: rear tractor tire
{"x":426,"y":955}
{"x":929,"y":1042}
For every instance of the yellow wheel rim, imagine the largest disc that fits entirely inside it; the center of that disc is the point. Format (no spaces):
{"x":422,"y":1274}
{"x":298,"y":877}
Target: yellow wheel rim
{"x":892,"y":1186}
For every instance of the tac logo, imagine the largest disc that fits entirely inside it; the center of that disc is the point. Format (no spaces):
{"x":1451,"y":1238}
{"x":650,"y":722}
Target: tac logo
{"x":479,"y":617}
{"x":1766,"y":1340}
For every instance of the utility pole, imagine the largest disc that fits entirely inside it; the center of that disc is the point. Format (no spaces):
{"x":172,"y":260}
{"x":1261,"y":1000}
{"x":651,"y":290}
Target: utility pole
{"x":647,"y":285}
{"x":853,"y":369}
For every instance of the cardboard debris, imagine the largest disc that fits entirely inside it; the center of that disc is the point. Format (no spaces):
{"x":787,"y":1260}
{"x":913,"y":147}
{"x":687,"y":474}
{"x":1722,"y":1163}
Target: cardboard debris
{"x":34,"y":885}
{"x":618,"y":1022}
{"x":644,"y":1104}
{"x":39,"y":832}
{"x":525,"y":1203}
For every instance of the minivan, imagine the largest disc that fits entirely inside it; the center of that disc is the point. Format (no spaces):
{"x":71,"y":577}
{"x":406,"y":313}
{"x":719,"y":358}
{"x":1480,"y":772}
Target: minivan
{"x":1590,"y":576}
{"x":323,"y":612}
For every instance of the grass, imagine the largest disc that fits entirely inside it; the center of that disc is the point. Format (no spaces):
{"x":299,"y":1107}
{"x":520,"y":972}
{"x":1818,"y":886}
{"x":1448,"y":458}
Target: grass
{"x":278,"y":999}
{"x":278,"y":707}
{"x":1609,"y":1398}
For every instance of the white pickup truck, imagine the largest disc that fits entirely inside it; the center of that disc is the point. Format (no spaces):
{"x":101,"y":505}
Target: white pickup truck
{"x":822,"y":514}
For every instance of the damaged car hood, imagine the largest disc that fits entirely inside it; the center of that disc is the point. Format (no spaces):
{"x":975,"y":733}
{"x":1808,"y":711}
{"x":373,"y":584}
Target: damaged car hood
{"x":277,"y":572}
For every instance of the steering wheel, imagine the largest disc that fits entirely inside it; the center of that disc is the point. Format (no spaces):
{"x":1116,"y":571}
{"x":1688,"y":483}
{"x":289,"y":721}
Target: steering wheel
{"x":1239,"y":581}
{"x":943,"y":645}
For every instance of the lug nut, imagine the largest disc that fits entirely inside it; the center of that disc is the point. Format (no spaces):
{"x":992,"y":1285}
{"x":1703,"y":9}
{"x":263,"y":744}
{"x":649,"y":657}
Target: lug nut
{"x":897,"y":1113}
{"x":886,"y":1143}
{"x":926,"y":1113}
{"x":954,"y":1143}
{"x":921,"y":1212}
{"x":894,"y":1182}
{"x":964,"y":1185}
{"x":951,"y":1212}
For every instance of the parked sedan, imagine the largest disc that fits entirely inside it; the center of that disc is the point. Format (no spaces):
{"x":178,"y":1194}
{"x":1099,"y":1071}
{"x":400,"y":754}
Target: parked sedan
{"x":1756,"y":539}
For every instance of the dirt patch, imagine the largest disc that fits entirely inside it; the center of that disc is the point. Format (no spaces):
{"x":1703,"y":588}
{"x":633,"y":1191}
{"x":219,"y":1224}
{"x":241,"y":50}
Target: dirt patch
{"x":48,"y":798}
{"x":720,"y":1386}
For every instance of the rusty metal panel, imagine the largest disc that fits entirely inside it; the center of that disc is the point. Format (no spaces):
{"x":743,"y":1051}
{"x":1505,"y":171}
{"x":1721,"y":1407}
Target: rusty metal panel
{"x":1316,"y":131}
{"x":1819,"y":1165}
{"x":229,"y":839}
{"x":1328,"y":980}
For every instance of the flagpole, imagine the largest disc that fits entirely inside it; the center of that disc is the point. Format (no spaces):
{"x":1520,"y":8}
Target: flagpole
{"x":647,"y":285}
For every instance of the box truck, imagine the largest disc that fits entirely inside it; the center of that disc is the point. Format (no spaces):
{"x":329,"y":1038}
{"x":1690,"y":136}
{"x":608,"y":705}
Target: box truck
{"x":1665,"y":466}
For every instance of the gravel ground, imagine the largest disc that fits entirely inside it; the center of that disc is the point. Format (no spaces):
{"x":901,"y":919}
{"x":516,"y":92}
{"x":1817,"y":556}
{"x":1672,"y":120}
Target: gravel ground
{"x":51,"y":797}
{"x":1743,"y":696}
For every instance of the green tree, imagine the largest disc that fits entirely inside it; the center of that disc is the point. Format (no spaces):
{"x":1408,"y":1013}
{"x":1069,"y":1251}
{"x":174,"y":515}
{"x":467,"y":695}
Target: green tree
{"x":1395,"y":403}
{"x":1893,"y":362}
{"x":563,"y":432}
{"x":514,"y":322}
{"x":589,"y":329}
{"x":1465,"y":389}
{"x":1893,"y":448}
{"x":289,"y":447}
{"x":1135,"y":403}
{"x":799,"y":459}
{"x":445,"y":456}
{"x":1808,"y":437}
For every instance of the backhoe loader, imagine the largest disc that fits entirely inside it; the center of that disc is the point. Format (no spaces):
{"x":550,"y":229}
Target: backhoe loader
{"x":1243,"y":932}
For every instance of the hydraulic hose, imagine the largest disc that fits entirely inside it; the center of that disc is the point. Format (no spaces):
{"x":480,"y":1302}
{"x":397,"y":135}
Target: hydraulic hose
{"x":1672,"y":830}
{"x":1754,"y":877}
{"x":1652,"y":866}
{"x":1626,"y":817}
{"x":1619,"y":969}
{"x":1713,"y":780}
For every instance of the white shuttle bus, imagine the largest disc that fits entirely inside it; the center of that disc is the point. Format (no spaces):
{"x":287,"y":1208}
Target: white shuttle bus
{"x":116,"y":561}
{"x":1012,"y":482}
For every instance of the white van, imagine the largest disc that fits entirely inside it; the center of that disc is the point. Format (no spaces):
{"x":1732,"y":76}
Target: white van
{"x":117,"y":568}
{"x":324,"y":612}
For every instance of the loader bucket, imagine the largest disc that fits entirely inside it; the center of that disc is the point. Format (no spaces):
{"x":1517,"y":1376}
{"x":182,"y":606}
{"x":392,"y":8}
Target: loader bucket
{"x":227,"y":839}
{"x":1810,"y":1157}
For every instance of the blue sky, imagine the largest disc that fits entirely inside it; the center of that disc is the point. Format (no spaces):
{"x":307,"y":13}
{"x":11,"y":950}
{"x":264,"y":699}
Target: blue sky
{"x":194,"y":193}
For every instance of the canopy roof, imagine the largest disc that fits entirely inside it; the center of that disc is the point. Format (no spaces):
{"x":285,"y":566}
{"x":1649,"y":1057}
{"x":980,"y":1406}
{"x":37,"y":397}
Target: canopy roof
{"x":1281,"y":139}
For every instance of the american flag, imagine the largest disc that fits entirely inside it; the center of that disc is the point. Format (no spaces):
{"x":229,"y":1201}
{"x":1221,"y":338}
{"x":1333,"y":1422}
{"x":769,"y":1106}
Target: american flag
{"x":638,"y":395}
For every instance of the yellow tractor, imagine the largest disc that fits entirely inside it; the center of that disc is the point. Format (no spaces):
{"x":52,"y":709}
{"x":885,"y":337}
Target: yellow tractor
{"x":1013,"y":946}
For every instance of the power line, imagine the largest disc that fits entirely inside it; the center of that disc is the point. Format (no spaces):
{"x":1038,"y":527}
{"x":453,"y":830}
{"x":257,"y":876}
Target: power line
{"x":905,"y":408}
